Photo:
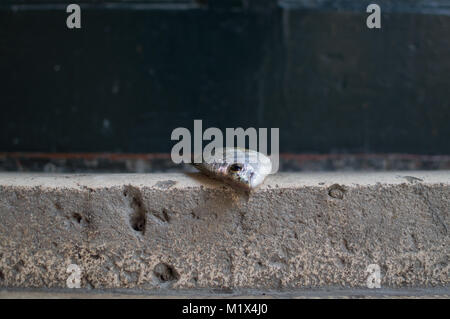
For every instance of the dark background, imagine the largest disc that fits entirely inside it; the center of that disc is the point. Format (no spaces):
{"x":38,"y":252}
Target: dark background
{"x":137,"y":70}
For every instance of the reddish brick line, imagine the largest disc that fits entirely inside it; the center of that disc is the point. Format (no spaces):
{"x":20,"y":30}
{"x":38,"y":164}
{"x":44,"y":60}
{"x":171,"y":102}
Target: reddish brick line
{"x":285,"y":156}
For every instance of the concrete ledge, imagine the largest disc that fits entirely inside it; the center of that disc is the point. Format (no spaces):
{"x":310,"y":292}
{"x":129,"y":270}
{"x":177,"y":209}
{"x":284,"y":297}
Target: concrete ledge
{"x":185,"y":231}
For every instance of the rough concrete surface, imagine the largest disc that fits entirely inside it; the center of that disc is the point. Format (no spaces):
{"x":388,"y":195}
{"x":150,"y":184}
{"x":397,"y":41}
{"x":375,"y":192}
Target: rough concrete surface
{"x":155,"y":232}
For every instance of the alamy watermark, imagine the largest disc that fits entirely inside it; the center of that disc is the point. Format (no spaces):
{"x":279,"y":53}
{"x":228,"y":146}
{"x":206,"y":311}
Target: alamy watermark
{"x":73,"y":21}
{"x":257,"y":141}
{"x":374,"y":19}
{"x":74,"y":279}
{"x":374,"y":278}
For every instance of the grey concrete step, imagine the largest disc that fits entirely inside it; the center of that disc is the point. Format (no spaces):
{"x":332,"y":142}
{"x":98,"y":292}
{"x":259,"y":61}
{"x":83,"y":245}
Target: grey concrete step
{"x":184,"y":232}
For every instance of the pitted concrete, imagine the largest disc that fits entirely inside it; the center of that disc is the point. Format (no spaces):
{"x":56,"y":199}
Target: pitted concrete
{"x":185,"y":231}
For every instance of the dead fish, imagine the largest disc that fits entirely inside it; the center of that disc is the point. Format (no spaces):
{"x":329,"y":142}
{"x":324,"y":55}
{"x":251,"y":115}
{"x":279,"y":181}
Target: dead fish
{"x":238,"y":167}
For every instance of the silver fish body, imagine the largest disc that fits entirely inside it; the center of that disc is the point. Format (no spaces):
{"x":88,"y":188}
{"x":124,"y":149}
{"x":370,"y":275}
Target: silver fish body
{"x":237,"y":166}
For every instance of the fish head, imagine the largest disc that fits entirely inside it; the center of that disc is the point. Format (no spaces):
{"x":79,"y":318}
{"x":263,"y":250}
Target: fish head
{"x":245,"y":174}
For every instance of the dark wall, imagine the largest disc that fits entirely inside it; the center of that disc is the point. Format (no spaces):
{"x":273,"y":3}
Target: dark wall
{"x":134,"y":72}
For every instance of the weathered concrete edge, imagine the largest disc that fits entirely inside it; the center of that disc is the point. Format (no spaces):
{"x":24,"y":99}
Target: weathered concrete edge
{"x":202,"y":233}
{"x":197,"y":180}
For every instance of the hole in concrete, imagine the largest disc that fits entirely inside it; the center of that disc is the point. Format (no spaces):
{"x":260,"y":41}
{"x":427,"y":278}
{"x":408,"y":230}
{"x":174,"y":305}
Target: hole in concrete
{"x":336,"y":191}
{"x":194,"y":215}
{"x":166,"y":216}
{"x":77,"y":217}
{"x":138,"y":216}
{"x":2,"y":276}
{"x":138,"y":223}
{"x":165,"y":272}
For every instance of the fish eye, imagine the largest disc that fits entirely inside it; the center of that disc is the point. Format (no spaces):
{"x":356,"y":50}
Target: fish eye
{"x":236,"y":167}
